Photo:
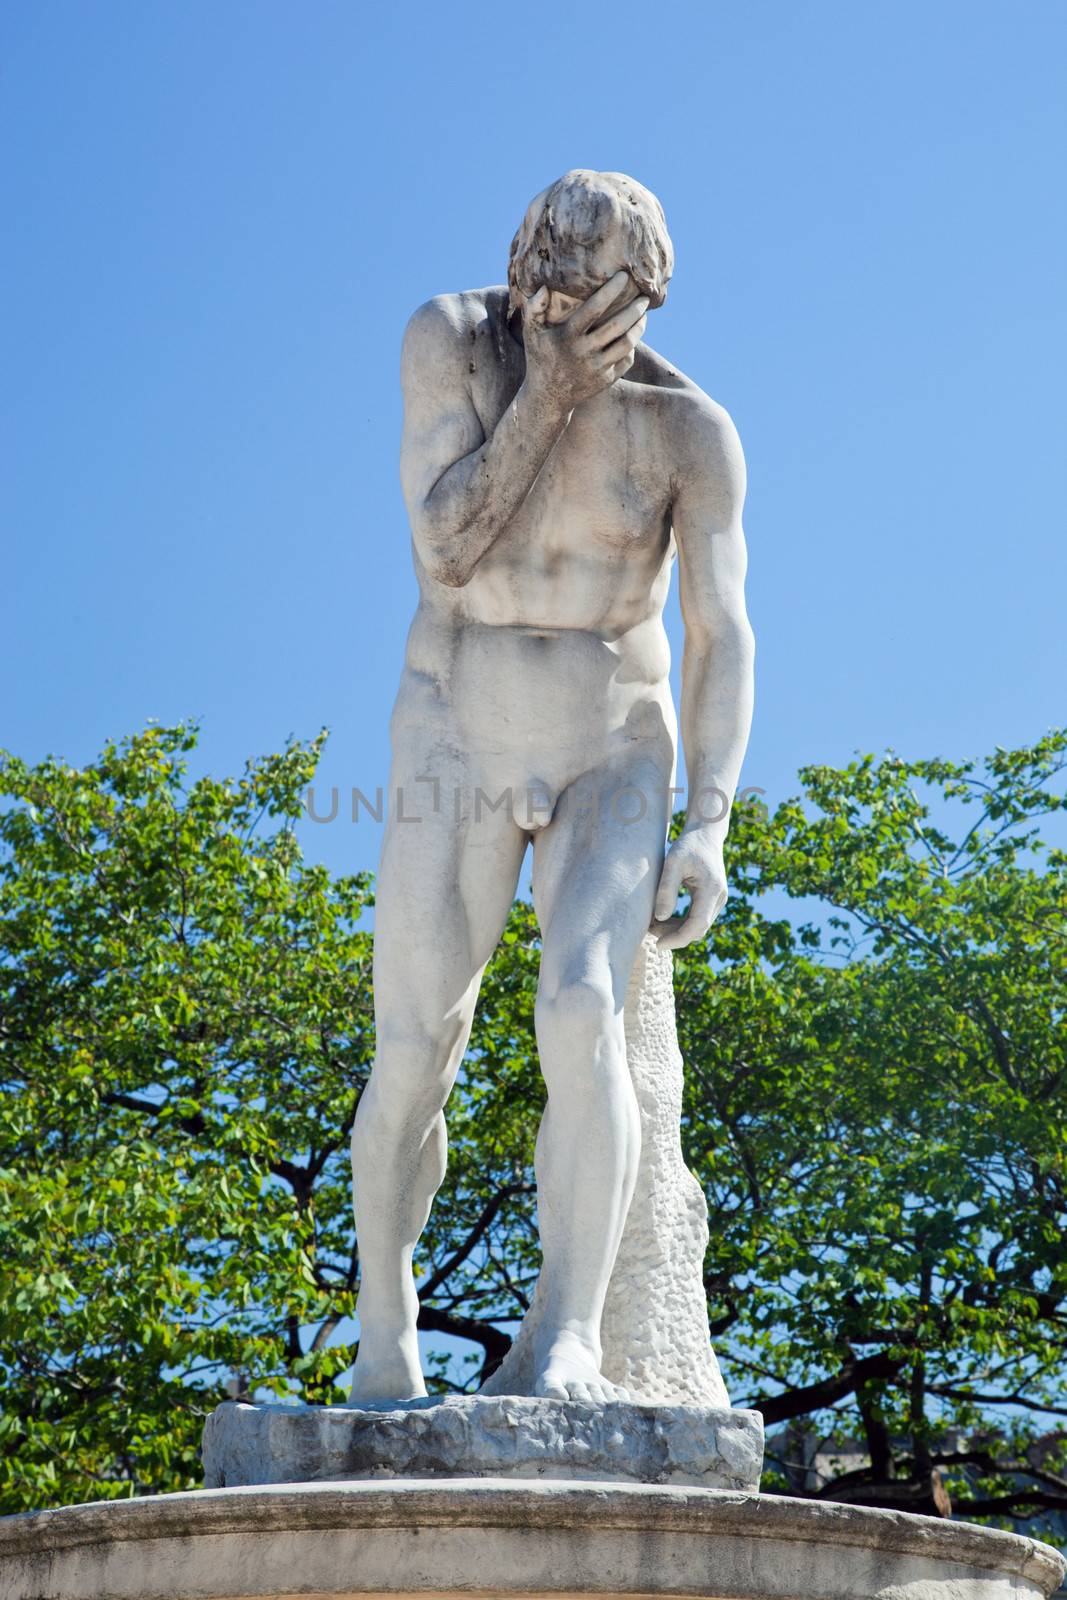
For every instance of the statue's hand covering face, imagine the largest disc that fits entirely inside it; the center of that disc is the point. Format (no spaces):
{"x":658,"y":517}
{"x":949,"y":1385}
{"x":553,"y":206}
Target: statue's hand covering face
{"x":582,"y":230}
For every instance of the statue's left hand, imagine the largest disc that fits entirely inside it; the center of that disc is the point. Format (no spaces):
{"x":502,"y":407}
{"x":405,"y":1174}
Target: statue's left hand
{"x":695,"y":863}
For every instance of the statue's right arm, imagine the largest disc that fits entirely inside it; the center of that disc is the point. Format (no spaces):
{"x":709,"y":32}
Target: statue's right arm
{"x":461,"y":488}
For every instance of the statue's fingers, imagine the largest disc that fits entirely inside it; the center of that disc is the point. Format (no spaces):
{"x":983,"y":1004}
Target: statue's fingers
{"x":625,"y":346}
{"x":600,"y":301}
{"x":674,"y":935}
{"x":702,"y":911}
{"x":537,"y":307}
{"x":666,"y":931}
{"x":670,"y":882}
{"x":620,"y":322}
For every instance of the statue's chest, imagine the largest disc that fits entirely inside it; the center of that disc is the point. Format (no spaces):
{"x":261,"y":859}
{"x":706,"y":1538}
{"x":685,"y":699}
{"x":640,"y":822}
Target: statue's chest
{"x":605,"y":484}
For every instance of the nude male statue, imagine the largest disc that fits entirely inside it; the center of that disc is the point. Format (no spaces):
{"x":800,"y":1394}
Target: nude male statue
{"x":553,"y":468}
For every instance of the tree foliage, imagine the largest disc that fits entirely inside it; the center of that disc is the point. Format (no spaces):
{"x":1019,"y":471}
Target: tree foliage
{"x":875,"y":1097}
{"x":876,"y":1103}
{"x":185,"y":1029}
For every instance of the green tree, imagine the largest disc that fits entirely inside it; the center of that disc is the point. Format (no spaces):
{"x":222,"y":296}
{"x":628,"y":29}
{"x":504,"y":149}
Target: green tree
{"x":875,"y":1106}
{"x":185,"y":1030}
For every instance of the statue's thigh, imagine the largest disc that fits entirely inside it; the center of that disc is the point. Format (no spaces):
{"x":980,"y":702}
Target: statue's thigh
{"x":596,"y":870}
{"x":446,"y":882}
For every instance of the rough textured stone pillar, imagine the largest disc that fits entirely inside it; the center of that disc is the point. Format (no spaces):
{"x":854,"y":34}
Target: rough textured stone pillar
{"x":655,"y":1324}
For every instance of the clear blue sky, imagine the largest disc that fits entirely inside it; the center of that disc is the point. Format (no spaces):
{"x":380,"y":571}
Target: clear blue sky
{"x":219,"y":216}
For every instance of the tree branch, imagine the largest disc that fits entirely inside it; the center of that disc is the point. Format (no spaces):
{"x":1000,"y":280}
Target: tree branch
{"x":947,"y":1392}
{"x":495,"y":1343}
{"x":817,"y":1396}
{"x":485,"y":1220}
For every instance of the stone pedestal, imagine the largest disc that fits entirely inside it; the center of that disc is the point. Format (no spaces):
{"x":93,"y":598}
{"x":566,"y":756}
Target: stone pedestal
{"x":472,"y":1436}
{"x":495,"y":1537}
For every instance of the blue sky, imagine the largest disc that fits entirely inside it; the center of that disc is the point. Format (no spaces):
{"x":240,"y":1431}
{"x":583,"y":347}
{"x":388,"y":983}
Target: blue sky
{"x":219,"y":217}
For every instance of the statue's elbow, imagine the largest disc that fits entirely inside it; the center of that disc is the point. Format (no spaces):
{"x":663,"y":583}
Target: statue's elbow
{"x":451,"y":573}
{"x":444,"y":550}
{"x":444,"y":564}
{"x":742,"y":648}
{"x":726,"y":637}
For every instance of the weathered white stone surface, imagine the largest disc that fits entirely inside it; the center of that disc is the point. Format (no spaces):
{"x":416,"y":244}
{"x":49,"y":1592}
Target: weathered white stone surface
{"x":337,"y":1541}
{"x":473,"y":1437}
{"x":654,"y":1329}
{"x":556,"y":470}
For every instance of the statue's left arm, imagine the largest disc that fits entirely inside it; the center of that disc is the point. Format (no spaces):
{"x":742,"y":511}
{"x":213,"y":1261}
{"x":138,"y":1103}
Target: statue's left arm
{"x":708,"y":496}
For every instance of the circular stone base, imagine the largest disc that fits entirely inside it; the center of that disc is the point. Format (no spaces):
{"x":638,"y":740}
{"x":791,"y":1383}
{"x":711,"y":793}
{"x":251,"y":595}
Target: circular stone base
{"x":501,"y":1537}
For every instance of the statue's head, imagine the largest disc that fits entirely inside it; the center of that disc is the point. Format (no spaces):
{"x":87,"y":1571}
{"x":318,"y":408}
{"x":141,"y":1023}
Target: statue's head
{"x":582,"y":230}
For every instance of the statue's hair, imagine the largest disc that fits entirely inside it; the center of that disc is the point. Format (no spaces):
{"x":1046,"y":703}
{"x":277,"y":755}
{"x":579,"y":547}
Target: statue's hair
{"x":566,"y":223}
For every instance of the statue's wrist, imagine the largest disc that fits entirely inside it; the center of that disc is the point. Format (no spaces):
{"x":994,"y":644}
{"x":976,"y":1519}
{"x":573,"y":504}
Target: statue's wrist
{"x":706,"y":835}
{"x":544,"y":401}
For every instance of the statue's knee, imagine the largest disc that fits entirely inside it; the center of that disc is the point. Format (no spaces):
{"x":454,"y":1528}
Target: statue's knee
{"x":406,"y":1090}
{"x":580,"y":1011}
{"x":423,"y":1043}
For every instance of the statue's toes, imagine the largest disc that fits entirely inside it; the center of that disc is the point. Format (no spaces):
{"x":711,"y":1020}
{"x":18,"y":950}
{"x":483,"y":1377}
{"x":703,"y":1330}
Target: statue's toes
{"x":552,"y":1389}
{"x":602,"y":1393}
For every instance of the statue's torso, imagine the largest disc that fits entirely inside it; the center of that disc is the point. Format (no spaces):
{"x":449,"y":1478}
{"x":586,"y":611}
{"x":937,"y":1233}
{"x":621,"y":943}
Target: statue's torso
{"x":558,"y":636}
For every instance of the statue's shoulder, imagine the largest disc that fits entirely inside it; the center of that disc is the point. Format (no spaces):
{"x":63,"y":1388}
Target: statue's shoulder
{"x":658,"y":373}
{"x":689,"y":412}
{"x":446,"y":324}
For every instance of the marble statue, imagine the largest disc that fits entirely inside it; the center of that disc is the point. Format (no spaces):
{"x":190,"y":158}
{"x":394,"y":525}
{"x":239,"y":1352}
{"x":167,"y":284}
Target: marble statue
{"x":554,"y":466}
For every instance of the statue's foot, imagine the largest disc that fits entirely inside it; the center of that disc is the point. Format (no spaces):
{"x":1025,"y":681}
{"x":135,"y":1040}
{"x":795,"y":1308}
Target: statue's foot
{"x":387,"y":1367}
{"x":569,"y":1369}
